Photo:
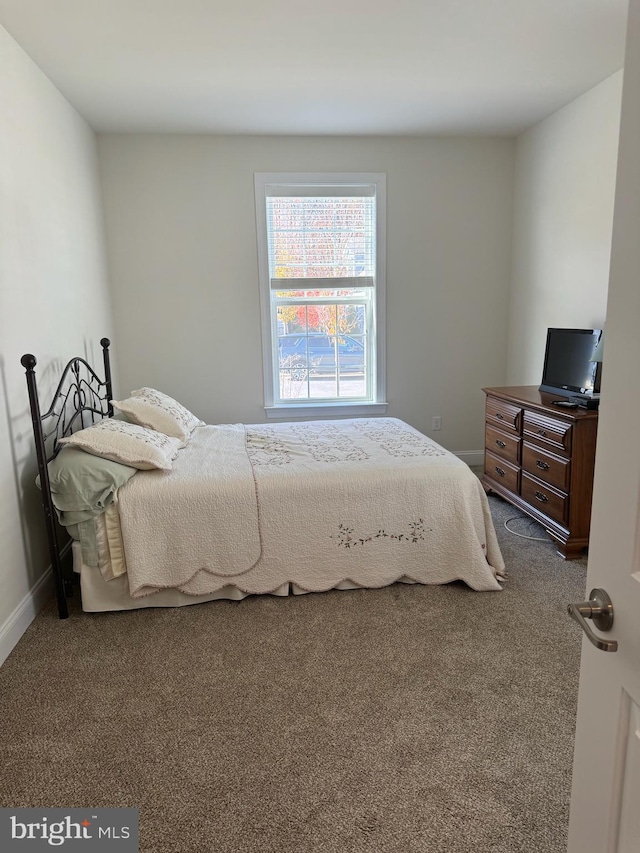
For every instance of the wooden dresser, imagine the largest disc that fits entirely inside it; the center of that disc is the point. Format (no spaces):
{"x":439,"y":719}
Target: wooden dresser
{"x":540,"y":458}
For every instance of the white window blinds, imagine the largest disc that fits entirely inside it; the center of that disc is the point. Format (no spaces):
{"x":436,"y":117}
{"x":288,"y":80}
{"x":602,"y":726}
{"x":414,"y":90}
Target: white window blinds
{"x":324,"y":233}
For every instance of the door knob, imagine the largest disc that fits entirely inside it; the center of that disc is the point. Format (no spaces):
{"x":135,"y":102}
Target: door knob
{"x":600,"y":609}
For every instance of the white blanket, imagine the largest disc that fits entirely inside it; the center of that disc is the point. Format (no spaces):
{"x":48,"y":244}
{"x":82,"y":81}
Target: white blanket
{"x":314,"y":503}
{"x":197,"y":525}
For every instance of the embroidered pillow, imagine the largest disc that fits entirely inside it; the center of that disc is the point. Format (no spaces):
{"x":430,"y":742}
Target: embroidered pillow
{"x":127,"y":443}
{"x":150,"y":408}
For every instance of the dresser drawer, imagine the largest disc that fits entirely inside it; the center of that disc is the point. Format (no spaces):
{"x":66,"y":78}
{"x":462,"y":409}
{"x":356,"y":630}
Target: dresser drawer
{"x":503,"y":414}
{"x":545,"y":499}
{"x":502,"y":444}
{"x":548,"y":432}
{"x":545,"y":466}
{"x":502,"y":472}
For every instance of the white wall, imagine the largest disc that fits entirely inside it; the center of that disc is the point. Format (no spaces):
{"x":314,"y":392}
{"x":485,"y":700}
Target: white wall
{"x":181,"y":238}
{"x":563,"y":217}
{"x":53,"y":295}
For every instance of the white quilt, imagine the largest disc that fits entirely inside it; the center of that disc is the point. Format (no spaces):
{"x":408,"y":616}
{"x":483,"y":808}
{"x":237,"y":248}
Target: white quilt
{"x":313,"y":503}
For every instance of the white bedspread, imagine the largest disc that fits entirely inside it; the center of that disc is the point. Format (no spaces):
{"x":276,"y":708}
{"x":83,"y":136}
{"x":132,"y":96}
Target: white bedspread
{"x":314,"y":503}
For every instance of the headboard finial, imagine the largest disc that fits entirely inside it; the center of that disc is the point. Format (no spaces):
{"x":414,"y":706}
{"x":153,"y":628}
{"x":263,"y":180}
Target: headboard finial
{"x":29,"y":361}
{"x":105,"y":342}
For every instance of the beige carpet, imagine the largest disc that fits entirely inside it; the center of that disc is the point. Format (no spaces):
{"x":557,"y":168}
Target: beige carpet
{"x":404,"y":719}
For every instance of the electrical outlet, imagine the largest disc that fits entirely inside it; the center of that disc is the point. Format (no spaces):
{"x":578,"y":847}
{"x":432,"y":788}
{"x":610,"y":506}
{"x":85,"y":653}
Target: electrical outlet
{"x":436,"y":423}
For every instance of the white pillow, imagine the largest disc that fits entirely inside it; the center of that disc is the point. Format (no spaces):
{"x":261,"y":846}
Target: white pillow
{"x":127,"y":443}
{"x":153,"y":409}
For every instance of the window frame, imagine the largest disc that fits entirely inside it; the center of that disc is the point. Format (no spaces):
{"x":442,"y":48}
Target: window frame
{"x":310,"y":408}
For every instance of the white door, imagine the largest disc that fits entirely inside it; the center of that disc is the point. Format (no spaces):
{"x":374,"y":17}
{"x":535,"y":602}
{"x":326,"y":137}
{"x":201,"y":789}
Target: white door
{"x":605,"y":802}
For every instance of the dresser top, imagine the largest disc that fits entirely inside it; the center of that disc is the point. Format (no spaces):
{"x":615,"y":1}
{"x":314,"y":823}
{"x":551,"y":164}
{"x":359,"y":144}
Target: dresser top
{"x":531,"y":396}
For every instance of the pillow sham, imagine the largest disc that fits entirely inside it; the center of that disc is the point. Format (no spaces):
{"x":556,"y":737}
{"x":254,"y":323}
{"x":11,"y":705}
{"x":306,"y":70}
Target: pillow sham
{"x":127,"y":443}
{"x":150,"y":408}
{"x":83,"y":482}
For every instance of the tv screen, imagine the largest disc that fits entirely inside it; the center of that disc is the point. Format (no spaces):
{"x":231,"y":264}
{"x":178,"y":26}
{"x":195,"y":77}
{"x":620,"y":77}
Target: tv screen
{"x":568,"y":369}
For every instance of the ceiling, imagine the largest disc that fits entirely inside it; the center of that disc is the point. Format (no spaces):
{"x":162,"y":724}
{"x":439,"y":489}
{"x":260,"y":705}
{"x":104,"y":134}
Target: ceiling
{"x":407,"y":67}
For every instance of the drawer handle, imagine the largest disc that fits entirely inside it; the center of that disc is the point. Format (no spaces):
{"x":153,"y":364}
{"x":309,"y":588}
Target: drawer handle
{"x":541,"y":497}
{"x":541,"y":464}
{"x":499,"y":416}
{"x":500,"y":471}
{"x":500,"y":443}
{"x":542,"y":432}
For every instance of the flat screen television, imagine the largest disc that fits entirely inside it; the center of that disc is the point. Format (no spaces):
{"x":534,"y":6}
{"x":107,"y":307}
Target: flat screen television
{"x":568,"y":367}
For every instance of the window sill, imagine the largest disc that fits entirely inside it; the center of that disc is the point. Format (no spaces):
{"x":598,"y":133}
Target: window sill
{"x":313,"y":410}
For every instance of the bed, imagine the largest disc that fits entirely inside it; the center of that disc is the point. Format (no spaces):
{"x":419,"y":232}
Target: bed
{"x":163,"y":510}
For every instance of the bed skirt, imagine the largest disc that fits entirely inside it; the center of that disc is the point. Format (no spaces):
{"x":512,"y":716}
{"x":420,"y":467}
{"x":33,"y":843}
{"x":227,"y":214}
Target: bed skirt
{"x":100,"y":596}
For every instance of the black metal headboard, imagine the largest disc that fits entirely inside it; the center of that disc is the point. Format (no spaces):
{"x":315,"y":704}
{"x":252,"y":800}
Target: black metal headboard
{"x":81,"y":398}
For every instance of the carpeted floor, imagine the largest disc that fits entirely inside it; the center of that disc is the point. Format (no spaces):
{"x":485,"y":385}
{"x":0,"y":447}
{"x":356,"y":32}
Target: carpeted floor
{"x":404,"y":719}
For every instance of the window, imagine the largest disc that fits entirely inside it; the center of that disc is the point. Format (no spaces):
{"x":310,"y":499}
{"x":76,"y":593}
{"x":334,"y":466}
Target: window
{"x":321,"y":255}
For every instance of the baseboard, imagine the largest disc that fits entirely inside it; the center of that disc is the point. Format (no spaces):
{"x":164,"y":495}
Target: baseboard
{"x":17,"y":623}
{"x":471,"y":457}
